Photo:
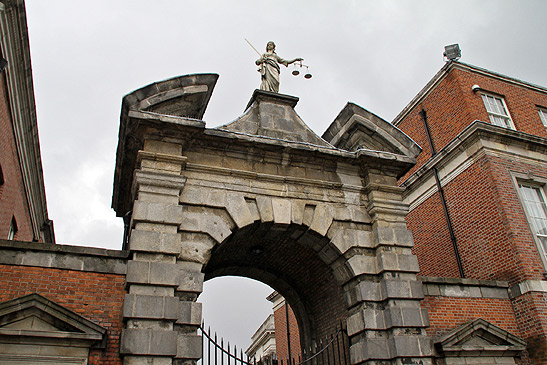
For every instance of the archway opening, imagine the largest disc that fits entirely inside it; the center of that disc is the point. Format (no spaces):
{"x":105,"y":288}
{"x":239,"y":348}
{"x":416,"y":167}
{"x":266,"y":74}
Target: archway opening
{"x":287,"y":259}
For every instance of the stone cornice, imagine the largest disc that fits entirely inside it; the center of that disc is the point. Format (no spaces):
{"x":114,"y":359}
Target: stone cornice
{"x":449,"y":66}
{"x":65,"y":257}
{"x":475,"y":141}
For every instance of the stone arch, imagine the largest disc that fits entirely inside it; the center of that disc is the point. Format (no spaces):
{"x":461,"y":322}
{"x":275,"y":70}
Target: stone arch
{"x":220,"y":231}
{"x":195,"y":196}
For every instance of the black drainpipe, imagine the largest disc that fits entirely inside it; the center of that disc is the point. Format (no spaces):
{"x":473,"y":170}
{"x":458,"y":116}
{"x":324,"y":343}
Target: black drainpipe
{"x":288,"y":332}
{"x":441,"y":194}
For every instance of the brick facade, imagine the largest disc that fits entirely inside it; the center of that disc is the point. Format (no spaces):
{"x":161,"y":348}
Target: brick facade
{"x":96,"y":296}
{"x":479,"y":166}
{"x":281,"y":343}
{"x":13,"y":201}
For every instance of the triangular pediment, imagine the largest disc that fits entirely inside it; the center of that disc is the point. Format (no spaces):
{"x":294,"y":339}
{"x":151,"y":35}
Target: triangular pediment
{"x":272,"y":115}
{"x":356,"y":128}
{"x":479,"y":337}
{"x":34,"y":316}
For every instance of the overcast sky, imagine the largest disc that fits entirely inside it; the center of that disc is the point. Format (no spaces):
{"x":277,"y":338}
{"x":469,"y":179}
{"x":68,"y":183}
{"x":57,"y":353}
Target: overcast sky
{"x":378,"y":54}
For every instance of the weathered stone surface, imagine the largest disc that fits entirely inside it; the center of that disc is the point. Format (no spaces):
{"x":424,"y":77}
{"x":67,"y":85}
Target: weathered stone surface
{"x":238,"y":210}
{"x":190,"y":281}
{"x":148,"y":342}
{"x":188,"y":346}
{"x":206,"y":222}
{"x":63,"y":257}
{"x":265,"y":208}
{"x":148,"y":241}
{"x":189,"y":313}
{"x":157,"y":213}
{"x":281,"y":211}
{"x":322,"y":219}
{"x":154,"y":273}
{"x":151,"y":307}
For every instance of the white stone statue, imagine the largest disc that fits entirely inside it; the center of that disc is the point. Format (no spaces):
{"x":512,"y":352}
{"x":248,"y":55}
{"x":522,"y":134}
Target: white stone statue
{"x":269,"y":68}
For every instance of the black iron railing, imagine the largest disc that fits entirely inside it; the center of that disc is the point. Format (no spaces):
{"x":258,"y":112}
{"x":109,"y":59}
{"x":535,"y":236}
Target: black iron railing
{"x":334,"y":349}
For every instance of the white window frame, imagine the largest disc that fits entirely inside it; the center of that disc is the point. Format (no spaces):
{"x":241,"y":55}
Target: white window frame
{"x":492,"y":114}
{"x":543,"y":116}
{"x":12,"y":229}
{"x":539,"y":238}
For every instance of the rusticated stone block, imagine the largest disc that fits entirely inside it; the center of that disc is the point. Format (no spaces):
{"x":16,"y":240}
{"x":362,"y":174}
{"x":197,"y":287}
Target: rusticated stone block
{"x":190,"y":281}
{"x":148,"y":342}
{"x":188,"y":346}
{"x":148,"y":241}
{"x":368,"y":349}
{"x":157,"y":213}
{"x":189,"y":313}
{"x":410,"y":346}
{"x":150,"y":307}
{"x":154,"y":273}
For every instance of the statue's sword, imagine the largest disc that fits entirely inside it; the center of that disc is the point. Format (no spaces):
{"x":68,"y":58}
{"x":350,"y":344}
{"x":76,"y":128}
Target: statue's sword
{"x":249,"y":43}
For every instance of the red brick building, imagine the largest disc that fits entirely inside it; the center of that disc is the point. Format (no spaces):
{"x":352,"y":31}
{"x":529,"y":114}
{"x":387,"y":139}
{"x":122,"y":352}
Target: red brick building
{"x":477,"y":194}
{"x":23,"y":210}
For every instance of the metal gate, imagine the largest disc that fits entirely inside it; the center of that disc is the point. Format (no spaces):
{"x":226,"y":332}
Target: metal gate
{"x":333,"y":349}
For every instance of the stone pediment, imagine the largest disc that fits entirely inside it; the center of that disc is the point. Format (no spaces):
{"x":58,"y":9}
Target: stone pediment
{"x":356,"y":128}
{"x":479,"y":338}
{"x":183,"y":96}
{"x":272,"y":115}
{"x":35,"y":318}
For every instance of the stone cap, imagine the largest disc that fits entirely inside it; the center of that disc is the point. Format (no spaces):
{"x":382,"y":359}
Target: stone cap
{"x":272,"y":115}
{"x":54,"y":322}
{"x":356,"y":128}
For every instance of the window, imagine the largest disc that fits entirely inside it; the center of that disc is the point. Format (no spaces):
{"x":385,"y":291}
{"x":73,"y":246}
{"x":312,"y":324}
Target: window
{"x":543,"y":116}
{"x":12,"y":229}
{"x":533,"y":198}
{"x":497,"y":111}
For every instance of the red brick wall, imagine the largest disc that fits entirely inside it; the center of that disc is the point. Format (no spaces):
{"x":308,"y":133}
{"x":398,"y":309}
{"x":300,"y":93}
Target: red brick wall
{"x":281,"y":343}
{"x":97,"y":297}
{"x":446,"y":313}
{"x":452,"y":106}
{"x":12,"y":195}
{"x":531,"y":312}
{"x":492,"y":233}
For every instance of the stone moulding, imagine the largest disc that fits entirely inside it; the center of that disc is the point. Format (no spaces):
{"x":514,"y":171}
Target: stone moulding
{"x":62,"y":324}
{"x":479,"y":338}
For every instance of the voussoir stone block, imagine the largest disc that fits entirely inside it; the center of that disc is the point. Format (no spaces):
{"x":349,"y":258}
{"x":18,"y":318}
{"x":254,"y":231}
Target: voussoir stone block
{"x":148,"y":342}
{"x":322,"y":219}
{"x":361,"y":264}
{"x":157,"y":213}
{"x":189,"y":313}
{"x":206,"y":222}
{"x":265,"y":208}
{"x":282,"y":211}
{"x":153,"y":273}
{"x":150,"y":307}
{"x":157,"y":242}
{"x":238,"y":210}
